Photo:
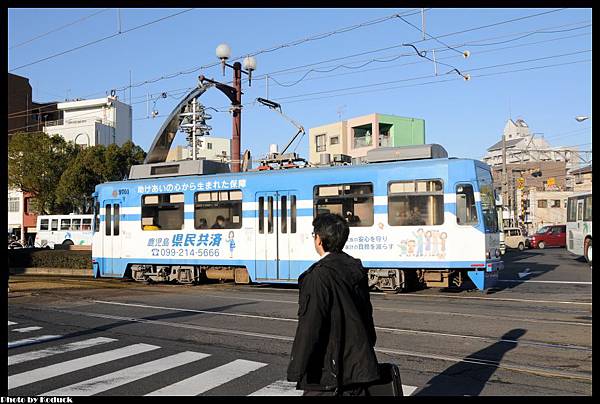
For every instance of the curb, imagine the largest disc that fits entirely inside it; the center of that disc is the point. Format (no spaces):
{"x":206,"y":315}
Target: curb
{"x":52,"y":271}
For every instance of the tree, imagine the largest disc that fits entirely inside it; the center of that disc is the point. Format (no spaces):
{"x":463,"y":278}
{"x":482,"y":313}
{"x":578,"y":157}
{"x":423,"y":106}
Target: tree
{"x":93,"y":166}
{"x":36,"y":162}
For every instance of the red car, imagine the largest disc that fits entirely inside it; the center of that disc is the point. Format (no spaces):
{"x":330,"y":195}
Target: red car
{"x":549,"y":236}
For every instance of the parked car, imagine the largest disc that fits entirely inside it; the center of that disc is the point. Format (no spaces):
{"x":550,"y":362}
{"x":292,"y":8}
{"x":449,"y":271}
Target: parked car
{"x":514,"y":238}
{"x":549,"y":236}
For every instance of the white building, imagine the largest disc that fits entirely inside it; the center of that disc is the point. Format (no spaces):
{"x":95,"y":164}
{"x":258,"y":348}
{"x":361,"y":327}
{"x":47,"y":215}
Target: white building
{"x":522,"y":146}
{"x":211,"y":148}
{"x":93,"y":122}
{"x":15,"y":211}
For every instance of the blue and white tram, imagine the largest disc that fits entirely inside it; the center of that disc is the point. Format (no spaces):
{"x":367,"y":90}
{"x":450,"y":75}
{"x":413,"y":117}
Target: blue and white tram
{"x":431,"y":221}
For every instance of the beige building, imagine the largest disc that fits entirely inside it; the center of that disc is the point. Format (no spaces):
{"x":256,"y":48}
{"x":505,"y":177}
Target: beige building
{"x":211,"y":148}
{"x":355,"y":137}
{"x":546,"y":208}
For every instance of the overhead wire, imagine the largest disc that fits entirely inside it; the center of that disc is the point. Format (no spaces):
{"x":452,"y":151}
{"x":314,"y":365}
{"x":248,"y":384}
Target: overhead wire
{"x":99,"y":40}
{"x":57,"y":29}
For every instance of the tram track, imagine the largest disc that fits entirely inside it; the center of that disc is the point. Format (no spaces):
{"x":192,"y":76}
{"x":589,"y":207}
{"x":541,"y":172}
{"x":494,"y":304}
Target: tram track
{"x":378,"y":328}
{"x":536,"y":370}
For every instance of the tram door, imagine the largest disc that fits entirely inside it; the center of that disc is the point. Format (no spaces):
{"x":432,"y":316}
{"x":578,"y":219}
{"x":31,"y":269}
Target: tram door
{"x":273,"y":233}
{"x":111,"y":244}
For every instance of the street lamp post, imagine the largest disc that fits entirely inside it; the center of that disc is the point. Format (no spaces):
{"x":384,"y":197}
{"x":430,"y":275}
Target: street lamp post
{"x":234,"y":94}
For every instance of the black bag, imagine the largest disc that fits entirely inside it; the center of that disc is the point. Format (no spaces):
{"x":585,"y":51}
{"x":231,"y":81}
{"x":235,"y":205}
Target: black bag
{"x":389,"y":383}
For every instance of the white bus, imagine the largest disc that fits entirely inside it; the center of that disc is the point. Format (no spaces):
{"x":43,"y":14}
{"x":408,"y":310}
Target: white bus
{"x":579,"y":225}
{"x":69,"y":229}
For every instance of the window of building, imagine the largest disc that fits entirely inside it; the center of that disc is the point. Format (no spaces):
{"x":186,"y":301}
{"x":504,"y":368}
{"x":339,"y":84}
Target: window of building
{"x":556,"y":203}
{"x":44,"y":224}
{"x":218,"y":210}
{"x":209,"y":146}
{"x":13,"y":204}
{"x":416,"y":203}
{"x":162,"y":212}
{"x":351,"y":201}
{"x":29,"y":205}
{"x":320,"y":142}
{"x":362,"y":136}
{"x":334,"y":140}
{"x":384,"y":135}
{"x":542,"y":203}
{"x":466,"y":210}
{"x":65,"y":224}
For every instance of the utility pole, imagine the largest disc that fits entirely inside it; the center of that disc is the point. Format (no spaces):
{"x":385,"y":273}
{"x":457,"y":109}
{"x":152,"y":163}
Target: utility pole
{"x":504,"y":194}
{"x":237,"y":118}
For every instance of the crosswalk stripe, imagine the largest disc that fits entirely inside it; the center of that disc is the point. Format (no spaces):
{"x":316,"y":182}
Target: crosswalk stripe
{"x":210,"y":379}
{"x":279,"y":388}
{"x":44,"y":353}
{"x":29,"y":341}
{"x":27,"y":329}
{"x":11,"y":323}
{"x":124,"y":376}
{"x":408,"y":390}
{"x":58,"y":369}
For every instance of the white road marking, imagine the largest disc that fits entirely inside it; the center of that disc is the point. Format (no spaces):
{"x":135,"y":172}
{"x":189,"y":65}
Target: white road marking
{"x":279,"y":388}
{"x":210,"y":379}
{"x":29,"y":341}
{"x":536,"y":281}
{"x":62,"y":368}
{"x":128,"y":375}
{"x":27,"y":329}
{"x":285,"y":388}
{"x":11,"y":323}
{"x":44,"y":353}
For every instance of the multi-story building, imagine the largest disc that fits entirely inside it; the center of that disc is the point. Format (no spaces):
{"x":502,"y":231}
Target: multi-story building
{"x":211,"y":148}
{"x":581,"y":179}
{"x":93,"y":122}
{"x":24,"y":114}
{"x":355,"y":137}
{"x":538,"y":176}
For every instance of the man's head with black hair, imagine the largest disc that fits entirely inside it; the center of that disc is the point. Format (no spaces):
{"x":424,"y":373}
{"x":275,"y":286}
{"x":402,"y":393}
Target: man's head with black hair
{"x":332,"y":230}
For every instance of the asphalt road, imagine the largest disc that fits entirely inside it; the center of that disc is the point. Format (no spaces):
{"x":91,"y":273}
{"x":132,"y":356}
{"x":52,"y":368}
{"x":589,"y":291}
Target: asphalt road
{"x":531,"y":336}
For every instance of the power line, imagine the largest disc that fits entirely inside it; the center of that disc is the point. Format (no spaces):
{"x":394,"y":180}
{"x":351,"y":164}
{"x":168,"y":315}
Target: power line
{"x":321,"y":36}
{"x":100,"y":40}
{"x":58,"y":29}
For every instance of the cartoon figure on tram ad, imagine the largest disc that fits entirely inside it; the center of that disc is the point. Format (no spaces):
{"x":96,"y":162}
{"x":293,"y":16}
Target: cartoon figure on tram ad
{"x":443,"y":238}
{"x":419,"y":236}
{"x":428,"y":243}
{"x":403,"y":248}
{"x":411,"y":248}
{"x":435,"y":236}
{"x":231,"y":242}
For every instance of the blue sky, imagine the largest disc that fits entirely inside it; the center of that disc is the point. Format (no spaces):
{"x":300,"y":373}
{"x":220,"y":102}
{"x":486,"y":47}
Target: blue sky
{"x":552,"y":52}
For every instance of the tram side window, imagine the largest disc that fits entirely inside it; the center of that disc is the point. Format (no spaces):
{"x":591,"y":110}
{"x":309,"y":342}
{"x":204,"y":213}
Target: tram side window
{"x":416,"y":203}
{"x":587,"y":210}
{"x":572,"y":210}
{"x":351,"y":201}
{"x":162,"y":212}
{"x":466,"y":210}
{"x":218,"y":210}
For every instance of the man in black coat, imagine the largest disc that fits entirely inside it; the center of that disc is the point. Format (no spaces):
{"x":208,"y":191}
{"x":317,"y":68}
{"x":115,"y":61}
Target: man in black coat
{"x":333,"y":351}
